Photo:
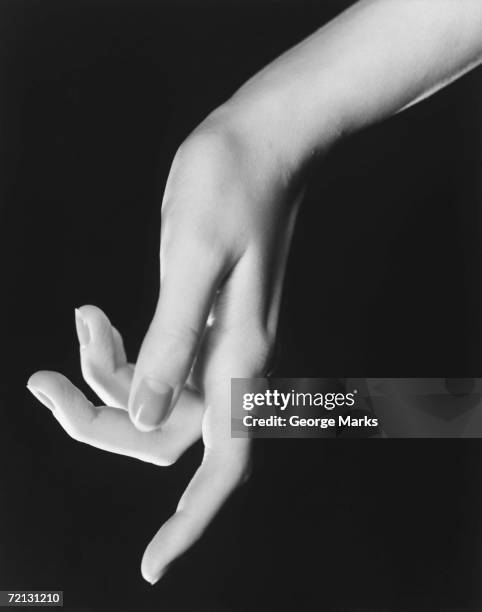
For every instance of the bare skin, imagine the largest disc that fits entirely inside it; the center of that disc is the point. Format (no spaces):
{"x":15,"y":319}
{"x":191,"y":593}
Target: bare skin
{"x":227,"y":218}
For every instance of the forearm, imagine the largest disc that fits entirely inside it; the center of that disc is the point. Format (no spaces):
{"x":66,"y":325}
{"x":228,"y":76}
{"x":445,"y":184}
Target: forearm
{"x":370,"y":62}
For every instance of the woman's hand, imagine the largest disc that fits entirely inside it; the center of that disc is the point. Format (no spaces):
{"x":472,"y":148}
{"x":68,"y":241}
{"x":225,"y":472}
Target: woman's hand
{"x":227,"y":219}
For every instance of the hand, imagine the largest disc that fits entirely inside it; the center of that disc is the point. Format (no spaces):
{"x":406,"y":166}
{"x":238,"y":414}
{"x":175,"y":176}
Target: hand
{"x":225,"y":235}
{"x":227,"y":218}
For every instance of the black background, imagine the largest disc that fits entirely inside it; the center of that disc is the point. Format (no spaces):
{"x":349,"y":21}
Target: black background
{"x":384,"y":280}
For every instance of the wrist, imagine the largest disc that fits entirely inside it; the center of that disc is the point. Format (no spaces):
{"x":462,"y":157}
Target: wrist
{"x":284,"y":120}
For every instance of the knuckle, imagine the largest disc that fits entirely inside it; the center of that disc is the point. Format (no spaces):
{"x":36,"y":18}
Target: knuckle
{"x":198,"y":171}
{"x":88,"y":372}
{"x":193,"y":230}
{"x":80,"y":429}
{"x":209,"y":142}
{"x":202,"y":185}
{"x":178,"y":339}
{"x":197,"y":243}
{"x":98,"y":379}
{"x":76,"y":432}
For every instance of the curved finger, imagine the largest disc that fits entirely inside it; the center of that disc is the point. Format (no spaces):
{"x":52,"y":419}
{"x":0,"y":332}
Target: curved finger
{"x":110,"y":429}
{"x":102,"y":356}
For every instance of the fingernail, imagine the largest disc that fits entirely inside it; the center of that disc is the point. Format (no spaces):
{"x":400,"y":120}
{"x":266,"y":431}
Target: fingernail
{"x":82,"y":328}
{"x":151,"y":403}
{"x":44,"y":399}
